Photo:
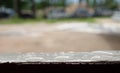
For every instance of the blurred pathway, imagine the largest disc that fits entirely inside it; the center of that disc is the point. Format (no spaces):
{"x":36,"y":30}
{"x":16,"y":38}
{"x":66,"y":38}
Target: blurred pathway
{"x":62,"y":37}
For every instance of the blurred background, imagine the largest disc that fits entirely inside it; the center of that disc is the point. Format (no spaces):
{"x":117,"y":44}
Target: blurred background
{"x":59,"y":25}
{"x":54,"y":9}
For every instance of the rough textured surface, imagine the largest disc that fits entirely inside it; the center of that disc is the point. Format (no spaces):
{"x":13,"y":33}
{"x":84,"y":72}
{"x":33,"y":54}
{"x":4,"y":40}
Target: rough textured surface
{"x":61,"y":57}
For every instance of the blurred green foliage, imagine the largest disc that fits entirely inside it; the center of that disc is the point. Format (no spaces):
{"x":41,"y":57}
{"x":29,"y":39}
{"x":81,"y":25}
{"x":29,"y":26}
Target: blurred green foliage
{"x":6,"y":3}
{"x":16,"y":20}
{"x":112,"y":4}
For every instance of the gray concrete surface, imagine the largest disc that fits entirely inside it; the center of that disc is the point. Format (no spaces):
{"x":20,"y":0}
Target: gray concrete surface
{"x":61,"y":57}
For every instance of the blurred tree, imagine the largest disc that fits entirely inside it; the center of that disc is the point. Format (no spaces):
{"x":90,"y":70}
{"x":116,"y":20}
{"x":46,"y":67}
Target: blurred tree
{"x":111,"y":4}
{"x":61,"y":3}
{"x":80,"y":1}
{"x":6,"y":3}
{"x":19,"y":5}
{"x":43,"y":4}
{"x":17,"y":8}
{"x":9,"y":3}
{"x":88,"y":2}
{"x":33,"y":8}
{"x":94,"y":3}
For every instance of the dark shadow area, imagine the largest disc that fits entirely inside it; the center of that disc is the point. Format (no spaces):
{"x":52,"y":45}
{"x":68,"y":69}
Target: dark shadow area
{"x":113,"y":41}
{"x":26,"y":15}
{"x":96,"y":67}
{"x":3,"y":15}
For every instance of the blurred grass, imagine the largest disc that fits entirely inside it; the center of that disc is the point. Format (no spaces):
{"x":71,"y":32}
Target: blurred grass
{"x":16,"y":20}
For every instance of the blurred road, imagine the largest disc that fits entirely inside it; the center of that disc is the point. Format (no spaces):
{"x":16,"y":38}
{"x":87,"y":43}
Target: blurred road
{"x":46,"y":38}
